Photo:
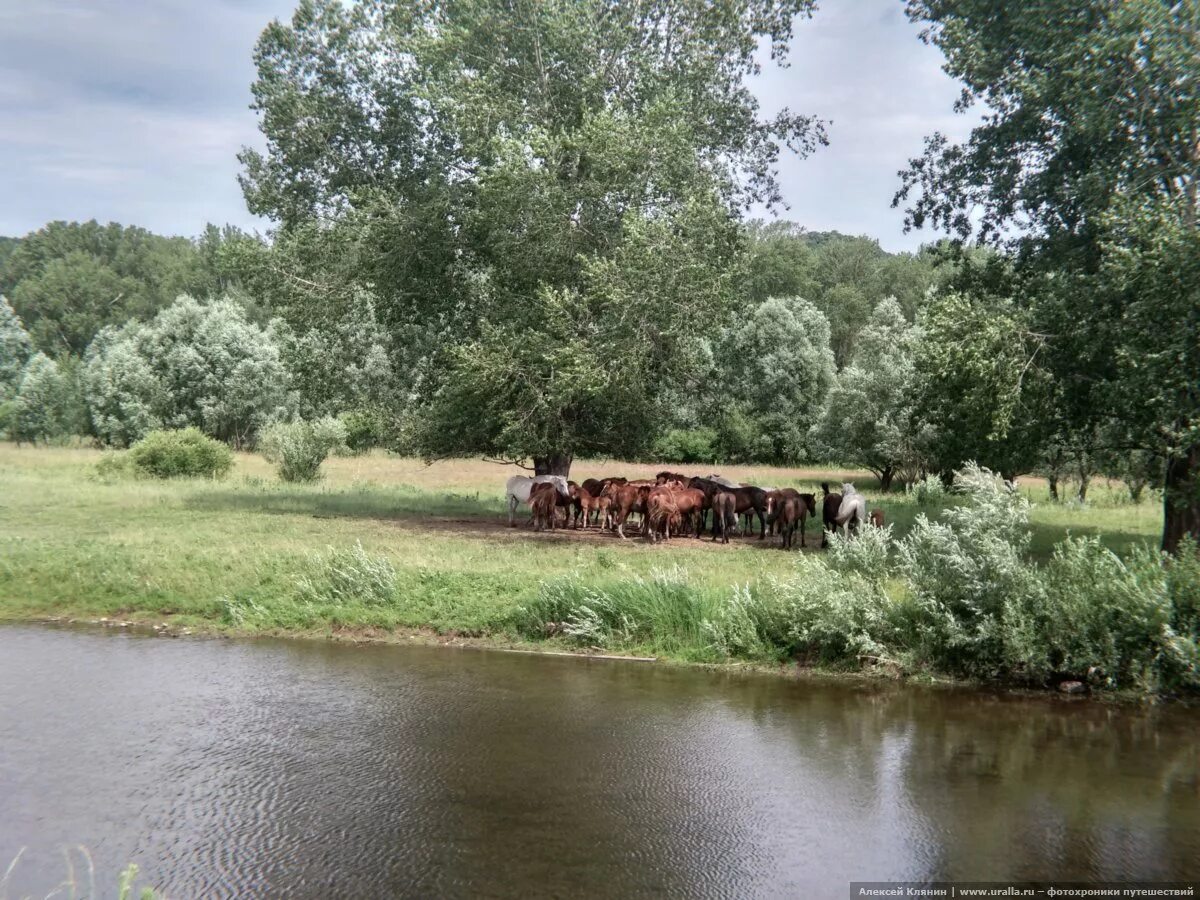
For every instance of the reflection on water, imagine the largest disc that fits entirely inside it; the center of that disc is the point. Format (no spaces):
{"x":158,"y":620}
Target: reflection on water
{"x":235,"y":768}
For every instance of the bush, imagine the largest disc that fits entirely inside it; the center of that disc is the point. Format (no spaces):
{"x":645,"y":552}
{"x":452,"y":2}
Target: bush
{"x":41,"y":410}
{"x":681,"y":445}
{"x":183,"y":453}
{"x":299,"y":448}
{"x":114,"y":464}
{"x":348,"y":576}
{"x":1096,"y":614}
{"x":928,"y":491}
{"x":202,"y":364}
{"x":663,"y":612}
{"x":365,"y":430}
{"x":964,"y":570}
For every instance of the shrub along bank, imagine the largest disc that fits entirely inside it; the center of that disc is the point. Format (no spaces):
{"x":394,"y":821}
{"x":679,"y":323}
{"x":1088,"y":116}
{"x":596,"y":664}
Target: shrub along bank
{"x":958,"y":596}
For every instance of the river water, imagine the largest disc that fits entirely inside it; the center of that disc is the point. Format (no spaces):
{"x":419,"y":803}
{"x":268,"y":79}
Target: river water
{"x":303,"y":769}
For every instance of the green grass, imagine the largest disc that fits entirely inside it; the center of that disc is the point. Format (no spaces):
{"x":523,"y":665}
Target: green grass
{"x":231,"y":553}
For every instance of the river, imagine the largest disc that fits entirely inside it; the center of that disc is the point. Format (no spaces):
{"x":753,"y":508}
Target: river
{"x":305,"y":769}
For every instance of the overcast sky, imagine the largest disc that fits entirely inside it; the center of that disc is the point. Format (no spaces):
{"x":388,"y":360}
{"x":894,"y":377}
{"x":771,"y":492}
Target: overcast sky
{"x":133,"y":110}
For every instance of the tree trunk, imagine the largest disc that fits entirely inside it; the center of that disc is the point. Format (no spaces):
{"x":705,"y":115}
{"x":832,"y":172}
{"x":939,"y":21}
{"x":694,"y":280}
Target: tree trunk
{"x":1052,"y":481}
{"x":1181,"y":499}
{"x":1083,"y":468}
{"x":554,"y":464}
{"x":885,"y":479}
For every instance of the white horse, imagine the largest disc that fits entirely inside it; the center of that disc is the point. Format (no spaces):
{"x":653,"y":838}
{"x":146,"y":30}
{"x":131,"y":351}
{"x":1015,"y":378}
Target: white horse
{"x":853,"y":509}
{"x":518,"y":487}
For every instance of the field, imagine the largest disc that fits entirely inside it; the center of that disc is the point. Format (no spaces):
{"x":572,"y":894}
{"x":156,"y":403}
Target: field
{"x":231,"y":554}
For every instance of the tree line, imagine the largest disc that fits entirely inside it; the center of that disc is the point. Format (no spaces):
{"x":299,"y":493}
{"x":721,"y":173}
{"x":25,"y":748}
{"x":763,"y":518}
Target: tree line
{"x":537,"y":212}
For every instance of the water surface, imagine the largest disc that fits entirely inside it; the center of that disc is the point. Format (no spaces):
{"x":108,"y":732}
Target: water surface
{"x":304,"y":769}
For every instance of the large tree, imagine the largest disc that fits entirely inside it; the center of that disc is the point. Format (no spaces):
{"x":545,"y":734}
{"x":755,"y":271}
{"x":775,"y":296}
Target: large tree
{"x":549,"y":192}
{"x":1086,"y":166}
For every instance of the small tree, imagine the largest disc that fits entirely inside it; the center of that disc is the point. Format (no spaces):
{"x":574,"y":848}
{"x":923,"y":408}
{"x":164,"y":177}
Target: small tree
{"x":976,"y":387}
{"x":779,"y":370}
{"x":15,"y":349}
{"x":298,"y":448}
{"x":869,"y":420}
{"x":41,"y":408}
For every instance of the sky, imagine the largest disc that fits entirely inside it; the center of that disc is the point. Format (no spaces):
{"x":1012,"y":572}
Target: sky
{"x":133,"y":111}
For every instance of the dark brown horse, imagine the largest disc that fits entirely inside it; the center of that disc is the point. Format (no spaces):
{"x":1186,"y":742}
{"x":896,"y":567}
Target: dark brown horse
{"x":807,"y":506}
{"x":724,"y":517}
{"x":830,"y":504}
{"x":664,"y":477}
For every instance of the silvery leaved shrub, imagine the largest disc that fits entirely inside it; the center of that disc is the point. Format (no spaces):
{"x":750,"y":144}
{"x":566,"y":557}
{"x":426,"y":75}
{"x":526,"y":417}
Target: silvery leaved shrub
{"x":298,"y":448}
{"x":347,"y":576}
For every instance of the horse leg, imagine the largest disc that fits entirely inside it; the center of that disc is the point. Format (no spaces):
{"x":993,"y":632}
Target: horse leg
{"x":762,"y":521}
{"x":512,"y":510}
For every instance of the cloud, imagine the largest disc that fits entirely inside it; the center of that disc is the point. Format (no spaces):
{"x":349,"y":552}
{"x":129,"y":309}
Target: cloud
{"x":861,"y":67}
{"x":134,"y":111}
{"x":126,"y":110}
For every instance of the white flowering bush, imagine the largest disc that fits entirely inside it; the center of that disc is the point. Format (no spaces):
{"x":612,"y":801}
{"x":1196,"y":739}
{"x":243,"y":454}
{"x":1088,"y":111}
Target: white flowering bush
{"x":298,"y":448}
{"x":962,"y":570}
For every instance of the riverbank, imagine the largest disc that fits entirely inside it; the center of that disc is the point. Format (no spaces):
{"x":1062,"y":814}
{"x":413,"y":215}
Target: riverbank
{"x":389,"y":547}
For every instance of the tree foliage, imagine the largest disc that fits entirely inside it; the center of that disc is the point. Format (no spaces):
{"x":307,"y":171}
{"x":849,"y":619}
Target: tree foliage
{"x":70,"y":279}
{"x":512,"y":166}
{"x":41,"y":409}
{"x":15,"y":349}
{"x":196,"y":363}
{"x":1087,"y":166}
{"x":777,"y":362}
{"x":871,"y":418}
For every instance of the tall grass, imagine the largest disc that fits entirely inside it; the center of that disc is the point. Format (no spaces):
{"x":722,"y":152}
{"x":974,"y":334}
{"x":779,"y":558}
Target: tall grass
{"x":662,"y":612}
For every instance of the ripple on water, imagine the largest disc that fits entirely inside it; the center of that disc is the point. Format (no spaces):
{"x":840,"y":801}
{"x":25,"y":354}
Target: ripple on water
{"x":242,"y":768}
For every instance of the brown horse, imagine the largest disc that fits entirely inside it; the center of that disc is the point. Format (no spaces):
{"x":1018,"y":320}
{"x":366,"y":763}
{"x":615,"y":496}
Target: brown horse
{"x":807,"y":505}
{"x":793,"y":512}
{"x":543,"y":502}
{"x":664,"y":477}
{"x":724,"y":506}
{"x":830,"y":504}
{"x":876,"y":518}
{"x":627,"y":499}
{"x":660,"y":510}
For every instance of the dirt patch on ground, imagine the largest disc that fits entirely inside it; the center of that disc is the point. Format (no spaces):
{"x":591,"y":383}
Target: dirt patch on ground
{"x":498,"y":529}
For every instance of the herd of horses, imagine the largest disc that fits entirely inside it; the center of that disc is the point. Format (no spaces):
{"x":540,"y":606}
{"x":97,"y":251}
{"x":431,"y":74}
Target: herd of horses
{"x":677,"y":504}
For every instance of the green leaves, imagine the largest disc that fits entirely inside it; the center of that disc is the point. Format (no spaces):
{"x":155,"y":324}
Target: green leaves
{"x":542,"y":196}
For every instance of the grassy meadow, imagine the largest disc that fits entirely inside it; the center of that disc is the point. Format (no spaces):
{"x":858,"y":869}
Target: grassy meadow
{"x":233,"y":554}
